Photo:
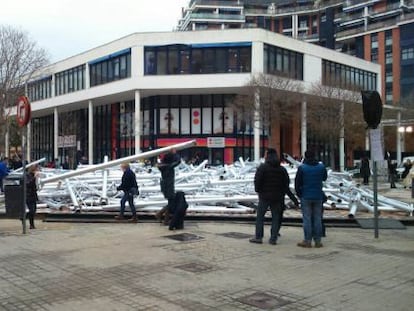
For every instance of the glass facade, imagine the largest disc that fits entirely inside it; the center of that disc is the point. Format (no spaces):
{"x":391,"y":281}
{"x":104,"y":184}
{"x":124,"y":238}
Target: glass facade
{"x":198,"y":59}
{"x":282,"y":62}
{"x":70,"y":80}
{"x":42,"y":138}
{"x":347,"y":77}
{"x":40,"y":89}
{"x":110,"y":68}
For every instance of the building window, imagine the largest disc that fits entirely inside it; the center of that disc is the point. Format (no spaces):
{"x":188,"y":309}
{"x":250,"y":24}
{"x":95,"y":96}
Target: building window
{"x":407,"y":53}
{"x":282,"y":62}
{"x":388,"y":58}
{"x":374,"y":57}
{"x":198,"y":59}
{"x":70,"y":80}
{"x":40,"y":89}
{"x":111,"y":68}
{"x":388,"y":38}
{"x":374,"y":41}
{"x":388,"y":77}
{"x":337,"y":75}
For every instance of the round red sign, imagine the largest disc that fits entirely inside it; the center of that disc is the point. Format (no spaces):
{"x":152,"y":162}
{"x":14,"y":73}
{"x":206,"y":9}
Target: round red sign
{"x":23,"y":111}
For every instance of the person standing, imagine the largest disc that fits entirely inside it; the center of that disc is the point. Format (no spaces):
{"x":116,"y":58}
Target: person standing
{"x":167,"y":183}
{"x":308,"y":186}
{"x":4,"y":171}
{"x":365,"y":170}
{"x":271,"y":182}
{"x":130,"y":188}
{"x":31,"y":194}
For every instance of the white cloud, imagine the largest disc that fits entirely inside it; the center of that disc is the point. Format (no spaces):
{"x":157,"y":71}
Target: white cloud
{"x":68,"y":27}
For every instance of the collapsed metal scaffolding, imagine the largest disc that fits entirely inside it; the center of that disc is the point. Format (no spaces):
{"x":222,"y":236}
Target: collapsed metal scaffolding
{"x":227,"y":189}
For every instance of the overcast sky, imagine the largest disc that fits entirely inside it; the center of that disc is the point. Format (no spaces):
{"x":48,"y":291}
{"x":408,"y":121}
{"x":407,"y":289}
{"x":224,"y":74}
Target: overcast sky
{"x":68,"y":27}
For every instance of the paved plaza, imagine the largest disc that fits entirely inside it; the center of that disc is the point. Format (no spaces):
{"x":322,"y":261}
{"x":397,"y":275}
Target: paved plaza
{"x":208,"y":266}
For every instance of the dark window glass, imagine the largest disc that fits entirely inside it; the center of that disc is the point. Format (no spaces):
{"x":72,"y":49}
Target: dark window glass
{"x":188,"y":60}
{"x":173,"y":61}
{"x":162,"y":62}
{"x":111,"y":69}
{"x":39,"y":89}
{"x":343,"y":76}
{"x":283,"y":62}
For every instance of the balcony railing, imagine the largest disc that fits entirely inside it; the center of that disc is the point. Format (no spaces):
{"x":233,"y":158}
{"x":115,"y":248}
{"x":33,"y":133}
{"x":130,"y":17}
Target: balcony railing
{"x":376,"y":25}
{"x":213,"y":16}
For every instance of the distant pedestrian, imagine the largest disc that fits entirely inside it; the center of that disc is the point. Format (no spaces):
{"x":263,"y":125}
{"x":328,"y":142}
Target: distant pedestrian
{"x":31,"y":194}
{"x":167,"y":183}
{"x":392,"y":172}
{"x":271,"y":182}
{"x":4,"y":171}
{"x":365,"y":170}
{"x":130,"y":188}
{"x":308,"y":186}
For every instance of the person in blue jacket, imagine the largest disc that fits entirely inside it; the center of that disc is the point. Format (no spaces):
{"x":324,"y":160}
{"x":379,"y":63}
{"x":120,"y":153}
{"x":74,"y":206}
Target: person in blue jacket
{"x":308,"y":185}
{"x":130,"y":188}
{"x":4,"y":171}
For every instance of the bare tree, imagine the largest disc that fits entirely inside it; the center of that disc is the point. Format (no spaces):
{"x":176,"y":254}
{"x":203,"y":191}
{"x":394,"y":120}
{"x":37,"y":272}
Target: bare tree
{"x":272,"y":100}
{"x":20,"y":58}
{"x":333,"y":113}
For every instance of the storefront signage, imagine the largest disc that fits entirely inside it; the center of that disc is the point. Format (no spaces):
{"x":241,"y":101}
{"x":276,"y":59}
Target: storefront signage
{"x":216,"y":142}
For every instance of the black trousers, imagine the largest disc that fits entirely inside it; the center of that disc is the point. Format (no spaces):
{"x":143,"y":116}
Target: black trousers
{"x":32,"y":206}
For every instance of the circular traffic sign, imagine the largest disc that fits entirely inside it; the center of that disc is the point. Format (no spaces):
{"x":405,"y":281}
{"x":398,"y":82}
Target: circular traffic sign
{"x":23,"y":111}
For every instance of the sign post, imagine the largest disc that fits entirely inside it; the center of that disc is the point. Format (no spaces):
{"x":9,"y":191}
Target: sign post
{"x":372,"y":110}
{"x":23,"y":117}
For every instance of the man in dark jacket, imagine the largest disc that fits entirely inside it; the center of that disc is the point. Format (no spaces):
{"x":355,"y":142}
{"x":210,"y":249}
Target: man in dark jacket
{"x":271,"y":183}
{"x":130,"y":188}
{"x":31,"y":194}
{"x":308,"y":186}
{"x":169,"y":162}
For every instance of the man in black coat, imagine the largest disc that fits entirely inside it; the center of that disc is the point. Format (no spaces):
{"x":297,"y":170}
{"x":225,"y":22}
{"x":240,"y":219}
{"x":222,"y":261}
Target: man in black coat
{"x":31,"y":194}
{"x":169,"y":162}
{"x":130,"y":188}
{"x":271,"y":183}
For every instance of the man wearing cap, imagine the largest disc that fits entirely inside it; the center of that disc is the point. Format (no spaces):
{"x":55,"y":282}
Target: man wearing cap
{"x":308,"y":185}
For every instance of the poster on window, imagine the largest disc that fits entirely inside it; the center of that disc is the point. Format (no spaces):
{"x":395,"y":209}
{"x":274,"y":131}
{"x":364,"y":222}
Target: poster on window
{"x":196,"y":121}
{"x":165,"y":120}
{"x":175,"y":121}
{"x":126,"y":124}
{"x":185,"y":121}
{"x":218,"y":116}
{"x":228,"y":119}
{"x":207,"y":121}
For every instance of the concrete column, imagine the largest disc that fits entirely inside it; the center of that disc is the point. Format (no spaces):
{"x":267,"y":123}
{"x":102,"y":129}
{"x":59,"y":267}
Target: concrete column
{"x":399,"y":138}
{"x":29,"y":142}
{"x":342,"y":138}
{"x":53,"y":86}
{"x":257,"y":57}
{"x":90,"y":132}
{"x":56,"y":133}
{"x":137,"y":122}
{"x":257,"y":127}
{"x":87,"y":77}
{"x":7,"y":142}
{"x":303,"y":128}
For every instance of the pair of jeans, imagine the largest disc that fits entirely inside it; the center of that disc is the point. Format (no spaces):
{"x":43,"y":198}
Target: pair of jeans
{"x":312,"y":219}
{"x":32,"y":206}
{"x":275,"y":208}
{"x":130,"y":198}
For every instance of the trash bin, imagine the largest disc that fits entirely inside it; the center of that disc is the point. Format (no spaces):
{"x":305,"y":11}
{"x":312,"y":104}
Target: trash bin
{"x":13,"y":196}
